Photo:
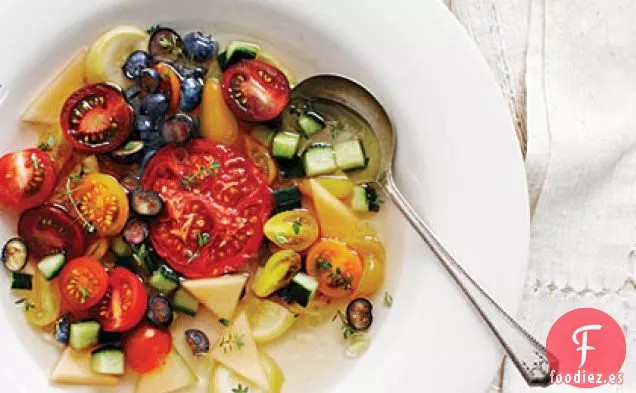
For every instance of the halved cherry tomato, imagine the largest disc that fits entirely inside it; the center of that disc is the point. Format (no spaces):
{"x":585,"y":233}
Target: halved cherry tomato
{"x":337,"y":267}
{"x":83,"y":282}
{"x":49,"y":229}
{"x":147,"y":348}
{"x":255,"y":91}
{"x":216,"y":202}
{"x":28,"y":178}
{"x":124,"y":305}
{"x":170,"y":83}
{"x":102,"y":201}
{"x":260,"y":156}
{"x":96,"y":118}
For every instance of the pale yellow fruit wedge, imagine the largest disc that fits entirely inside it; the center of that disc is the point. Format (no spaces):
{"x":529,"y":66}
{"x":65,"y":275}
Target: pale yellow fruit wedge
{"x":335,"y":218}
{"x":47,"y":105}
{"x":174,"y":375}
{"x":220,"y":295}
{"x":237,"y":351}
{"x":223,"y":380}
{"x":109,"y":52}
{"x":74,"y":367}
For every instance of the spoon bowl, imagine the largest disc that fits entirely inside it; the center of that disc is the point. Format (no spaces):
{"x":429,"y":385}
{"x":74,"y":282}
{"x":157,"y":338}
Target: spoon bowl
{"x":529,"y":356}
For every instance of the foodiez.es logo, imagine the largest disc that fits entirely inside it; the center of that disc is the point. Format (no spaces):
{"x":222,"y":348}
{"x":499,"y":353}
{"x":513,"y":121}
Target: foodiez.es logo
{"x":586,"y":348}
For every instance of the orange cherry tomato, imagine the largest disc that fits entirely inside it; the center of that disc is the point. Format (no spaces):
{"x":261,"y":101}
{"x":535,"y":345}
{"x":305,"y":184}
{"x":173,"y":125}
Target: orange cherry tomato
{"x":147,"y":348}
{"x":170,"y":83}
{"x":102,"y":201}
{"x":337,"y":267}
{"x":83,"y":282}
{"x":260,"y":156}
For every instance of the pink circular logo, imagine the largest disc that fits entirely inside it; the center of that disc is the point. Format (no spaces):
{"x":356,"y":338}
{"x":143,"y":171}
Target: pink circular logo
{"x":587,"y":348}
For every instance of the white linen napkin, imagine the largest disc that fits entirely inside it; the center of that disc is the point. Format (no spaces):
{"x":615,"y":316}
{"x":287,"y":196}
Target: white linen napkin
{"x":582,"y":167}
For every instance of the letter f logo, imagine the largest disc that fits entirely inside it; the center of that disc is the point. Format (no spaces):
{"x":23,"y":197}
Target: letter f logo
{"x":583,"y":344}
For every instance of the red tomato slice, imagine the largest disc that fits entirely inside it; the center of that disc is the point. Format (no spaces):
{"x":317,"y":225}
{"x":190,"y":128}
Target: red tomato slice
{"x":147,"y":348}
{"x":217,"y":202}
{"x":124,"y":305}
{"x":255,"y":91}
{"x":28,"y":178}
{"x":49,"y":229}
{"x":83,"y":283}
{"x":96,"y":118}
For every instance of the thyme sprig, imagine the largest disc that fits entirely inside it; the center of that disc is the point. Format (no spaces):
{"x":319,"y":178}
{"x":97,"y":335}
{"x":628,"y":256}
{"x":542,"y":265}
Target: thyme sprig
{"x":232,"y":341}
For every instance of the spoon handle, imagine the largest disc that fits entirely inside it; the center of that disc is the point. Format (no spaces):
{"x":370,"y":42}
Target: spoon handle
{"x":528,"y":355}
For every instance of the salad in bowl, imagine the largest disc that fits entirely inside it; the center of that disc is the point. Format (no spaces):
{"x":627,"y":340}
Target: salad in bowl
{"x":183,"y":209}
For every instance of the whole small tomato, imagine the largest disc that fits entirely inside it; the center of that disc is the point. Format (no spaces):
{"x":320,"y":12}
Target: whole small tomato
{"x":147,"y":348}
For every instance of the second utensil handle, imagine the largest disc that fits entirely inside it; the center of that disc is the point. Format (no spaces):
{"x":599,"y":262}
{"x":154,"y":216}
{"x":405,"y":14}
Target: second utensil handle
{"x":529,"y":356}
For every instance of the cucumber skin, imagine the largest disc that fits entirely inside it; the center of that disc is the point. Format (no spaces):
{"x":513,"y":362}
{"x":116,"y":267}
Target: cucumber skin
{"x":112,"y":367}
{"x":183,"y":301}
{"x":84,"y":334}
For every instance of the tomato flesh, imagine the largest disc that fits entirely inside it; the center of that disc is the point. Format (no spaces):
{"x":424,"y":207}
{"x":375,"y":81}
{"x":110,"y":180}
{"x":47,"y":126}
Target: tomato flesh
{"x":83,"y":282}
{"x":96,"y":118}
{"x":124,"y":304}
{"x":49,"y":229}
{"x":147,"y":348}
{"x":255,"y":91}
{"x":103,"y":202}
{"x":28,"y":178}
{"x":216,"y":202}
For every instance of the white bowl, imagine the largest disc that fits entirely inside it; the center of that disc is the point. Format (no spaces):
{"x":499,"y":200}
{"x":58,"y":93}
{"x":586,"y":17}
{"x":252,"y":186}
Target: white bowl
{"x":458,"y":162}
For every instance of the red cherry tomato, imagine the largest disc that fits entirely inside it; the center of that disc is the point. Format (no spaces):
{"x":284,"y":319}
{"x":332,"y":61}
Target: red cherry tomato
{"x":255,"y":91}
{"x":83,"y":283}
{"x":216,"y":203}
{"x":147,"y":348}
{"x":49,"y":229}
{"x":28,"y":178}
{"x":124,"y":305}
{"x":96,"y":118}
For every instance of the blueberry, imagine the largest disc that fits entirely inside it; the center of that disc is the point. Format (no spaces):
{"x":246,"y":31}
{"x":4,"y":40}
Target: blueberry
{"x":62,"y":330}
{"x":134,"y":96}
{"x":178,"y":128}
{"x":185,"y":72}
{"x":155,"y":105}
{"x":149,"y":80}
{"x":136,"y":61}
{"x":200,"y":48}
{"x":191,"y":94}
{"x":145,"y":124}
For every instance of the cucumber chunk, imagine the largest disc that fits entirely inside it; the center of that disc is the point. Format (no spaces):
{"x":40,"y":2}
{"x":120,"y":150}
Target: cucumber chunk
{"x":285,"y":144}
{"x":302,"y":289}
{"x":21,"y":281}
{"x":319,"y":160}
{"x":286,"y":199}
{"x":184,"y":302}
{"x":264,"y":135}
{"x":350,"y":155}
{"x":84,"y":334}
{"x":236,"y":51}
{"x":360,"y":202}
{"x":311,"y":123}
{"x":108,"y":360}
{"x":52,"y":265}
{"x":164,"y":279}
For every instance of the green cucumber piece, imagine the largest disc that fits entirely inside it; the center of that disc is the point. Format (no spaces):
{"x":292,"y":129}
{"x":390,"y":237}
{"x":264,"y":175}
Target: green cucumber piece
{"x":108,"y":360}
{"x":350,"y":155}
{"x":164,"y":279}
{"x":184,"y":302}
{"x":303,"y":288}
{"x":310,"y":123}
{"x":120,"y":247}
{"x":264,"y":135}
{"x":52,"y":265}
{"x":21,"y":281}
{"x":287,"y":198}
{"x":359,"y":201}
{"x":84,"y":334}
{"x":319,"y":160}
{"x":236,"y":51}
{"x":285,"y":144}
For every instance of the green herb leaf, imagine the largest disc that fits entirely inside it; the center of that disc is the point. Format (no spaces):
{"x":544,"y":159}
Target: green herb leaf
{"x":165,"y":43}
{"x":153,"y":29}
{"x":296,"y":226}
{"x":203,"y":239}
{"x":28,"y":305}
{"x":232,"y":341}
{"x":215,"y":165}
{"x":387,"y":300}
{"x":225,"y":322}
{"x":240,"y":389}
{"x":130,"y":145}
{"x":281,"y":239}
{"x":35,"y":162}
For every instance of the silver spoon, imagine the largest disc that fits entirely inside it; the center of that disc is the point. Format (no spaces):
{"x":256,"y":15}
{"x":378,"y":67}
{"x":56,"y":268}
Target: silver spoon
{"x":529,"y":356}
